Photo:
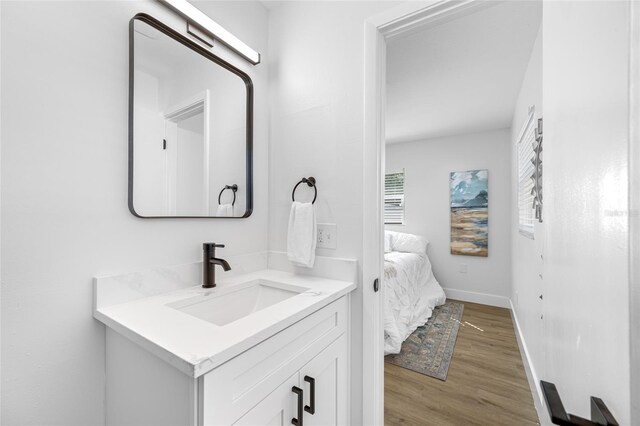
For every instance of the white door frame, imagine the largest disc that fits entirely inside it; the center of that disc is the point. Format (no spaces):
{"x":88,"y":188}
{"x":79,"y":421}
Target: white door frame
{"x":401,"y":20}
{"x":634,"y":208}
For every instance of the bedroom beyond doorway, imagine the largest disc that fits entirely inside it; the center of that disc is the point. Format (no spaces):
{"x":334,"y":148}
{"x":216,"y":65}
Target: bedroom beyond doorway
{"x":463,"y":97}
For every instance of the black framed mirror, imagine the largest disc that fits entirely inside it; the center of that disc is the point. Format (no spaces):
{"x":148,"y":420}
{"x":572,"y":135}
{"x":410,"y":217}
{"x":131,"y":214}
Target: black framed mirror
{"x":190,"y":128}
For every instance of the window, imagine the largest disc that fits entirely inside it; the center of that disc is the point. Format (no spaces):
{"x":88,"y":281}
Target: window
{"x":394,"y":198}
{"x":526,"y":212}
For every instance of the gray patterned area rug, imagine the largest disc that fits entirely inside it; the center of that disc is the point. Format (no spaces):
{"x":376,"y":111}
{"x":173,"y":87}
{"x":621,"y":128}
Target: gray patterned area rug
{"x":429,"y":349}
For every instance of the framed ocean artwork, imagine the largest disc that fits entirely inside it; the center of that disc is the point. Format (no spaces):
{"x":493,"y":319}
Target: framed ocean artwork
{"x":470,"y":213}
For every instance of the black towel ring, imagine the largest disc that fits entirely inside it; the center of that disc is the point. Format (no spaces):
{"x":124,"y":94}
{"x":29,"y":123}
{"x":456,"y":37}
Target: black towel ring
{"x":234,"y":188}
{"x":311,"y":182}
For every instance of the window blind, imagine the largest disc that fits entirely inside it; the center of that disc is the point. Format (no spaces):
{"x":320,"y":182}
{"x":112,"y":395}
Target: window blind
{"x":526,"y":212}
{"x":394,"y":198}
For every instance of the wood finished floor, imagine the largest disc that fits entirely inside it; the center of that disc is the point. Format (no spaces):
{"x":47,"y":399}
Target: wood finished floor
{"x":486,"y":384}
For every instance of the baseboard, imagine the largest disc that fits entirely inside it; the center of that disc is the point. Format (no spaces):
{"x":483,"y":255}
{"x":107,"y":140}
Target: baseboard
{"x":482,"y":298}
{"x":532,"y":377}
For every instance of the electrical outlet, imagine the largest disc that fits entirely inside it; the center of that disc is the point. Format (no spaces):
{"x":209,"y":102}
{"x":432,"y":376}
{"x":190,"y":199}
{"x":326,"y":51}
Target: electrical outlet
{"x":327,"y":237}
{"x":463,"y":268}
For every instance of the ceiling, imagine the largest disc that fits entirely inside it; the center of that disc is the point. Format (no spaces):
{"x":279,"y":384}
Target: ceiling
{"x":158,"y":54}
{"x":460,"y":76}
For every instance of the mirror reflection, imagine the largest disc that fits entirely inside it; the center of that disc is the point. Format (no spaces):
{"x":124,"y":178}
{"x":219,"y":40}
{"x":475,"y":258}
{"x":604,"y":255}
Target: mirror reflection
{"x":190,"y":139}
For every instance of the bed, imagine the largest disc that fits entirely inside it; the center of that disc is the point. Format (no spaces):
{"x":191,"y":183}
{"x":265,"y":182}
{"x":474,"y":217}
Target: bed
{"x":411,"y":289}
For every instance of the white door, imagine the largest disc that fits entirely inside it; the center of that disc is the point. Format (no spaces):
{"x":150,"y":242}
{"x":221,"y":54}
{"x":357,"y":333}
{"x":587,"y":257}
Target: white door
{"x":324,"y":381}
{"x":277,"y":409}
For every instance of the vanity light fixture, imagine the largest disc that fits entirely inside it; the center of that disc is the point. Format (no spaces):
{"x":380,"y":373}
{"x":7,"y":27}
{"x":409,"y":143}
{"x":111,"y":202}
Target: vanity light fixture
{"x":208,"y":25}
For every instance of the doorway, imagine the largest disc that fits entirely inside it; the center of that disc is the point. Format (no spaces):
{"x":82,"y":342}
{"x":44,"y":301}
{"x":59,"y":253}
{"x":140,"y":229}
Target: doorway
{"x":186,"y":157}
{"x":402,"y":22}
{"x":404,"y":19}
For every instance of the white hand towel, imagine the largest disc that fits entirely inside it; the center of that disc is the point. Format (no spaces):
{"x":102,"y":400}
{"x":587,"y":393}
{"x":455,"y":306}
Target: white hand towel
{"x":225,"y":210}
{"x":301,"y":236}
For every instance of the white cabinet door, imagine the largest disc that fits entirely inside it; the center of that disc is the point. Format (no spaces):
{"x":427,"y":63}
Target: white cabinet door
{"x":277,"y":409}
{"x":327,"y":372}
{"x":228,"y":392}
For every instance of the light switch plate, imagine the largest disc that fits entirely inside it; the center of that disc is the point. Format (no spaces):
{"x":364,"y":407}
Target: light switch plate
{"x":327,"y":236}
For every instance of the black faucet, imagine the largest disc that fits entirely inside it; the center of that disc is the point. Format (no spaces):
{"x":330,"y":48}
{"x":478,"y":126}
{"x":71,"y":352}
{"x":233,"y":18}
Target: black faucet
{"x":209,"y":262}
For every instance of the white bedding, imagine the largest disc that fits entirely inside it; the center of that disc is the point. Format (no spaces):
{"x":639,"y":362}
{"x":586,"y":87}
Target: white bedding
{"x":411,"y":293}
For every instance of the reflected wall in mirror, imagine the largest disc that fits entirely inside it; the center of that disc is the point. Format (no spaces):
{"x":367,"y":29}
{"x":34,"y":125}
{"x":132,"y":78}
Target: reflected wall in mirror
{"x":190,"y":128}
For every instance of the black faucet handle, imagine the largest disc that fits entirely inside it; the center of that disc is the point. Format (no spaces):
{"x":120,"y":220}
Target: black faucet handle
{"x":212,"y":245}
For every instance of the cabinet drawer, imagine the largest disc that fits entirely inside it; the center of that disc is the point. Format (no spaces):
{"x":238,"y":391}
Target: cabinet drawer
{"x":235,"y":387}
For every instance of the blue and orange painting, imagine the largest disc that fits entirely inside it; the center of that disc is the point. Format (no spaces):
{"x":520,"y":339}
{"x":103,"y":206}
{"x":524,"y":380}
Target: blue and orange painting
{"x":470,"y":213}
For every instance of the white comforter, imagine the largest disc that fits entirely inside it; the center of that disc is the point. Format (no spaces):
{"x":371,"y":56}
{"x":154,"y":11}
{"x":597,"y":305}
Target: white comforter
{"x":411,"y":293}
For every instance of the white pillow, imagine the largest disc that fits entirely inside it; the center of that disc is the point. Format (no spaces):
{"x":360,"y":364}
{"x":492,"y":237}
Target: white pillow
{"x":408,"y":243}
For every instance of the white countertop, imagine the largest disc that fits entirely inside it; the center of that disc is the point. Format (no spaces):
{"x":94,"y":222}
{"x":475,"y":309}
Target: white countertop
{"x":195,"y":346}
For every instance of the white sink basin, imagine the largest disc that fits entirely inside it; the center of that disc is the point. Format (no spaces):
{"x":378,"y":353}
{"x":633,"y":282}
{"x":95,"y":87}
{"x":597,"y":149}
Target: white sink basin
{"x":225,"y":305}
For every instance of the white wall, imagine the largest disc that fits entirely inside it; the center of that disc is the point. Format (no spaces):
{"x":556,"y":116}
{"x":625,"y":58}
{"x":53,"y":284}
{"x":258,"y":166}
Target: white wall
{"x":527,"y":254}
{"x":316,"y":54}
{"x":427,"y":165}
{"x":64,"y":193}
{"x":586,"y":271}
{"x":149,"y":194}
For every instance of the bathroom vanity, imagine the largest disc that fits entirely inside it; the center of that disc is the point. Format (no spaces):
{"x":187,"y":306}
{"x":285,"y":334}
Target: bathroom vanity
{"x":263,"y":348}
{"x":266,"y":345}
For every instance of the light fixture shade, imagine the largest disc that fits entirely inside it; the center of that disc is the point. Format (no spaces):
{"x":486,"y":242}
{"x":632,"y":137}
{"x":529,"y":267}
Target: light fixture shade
{"x":208,"y":25}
